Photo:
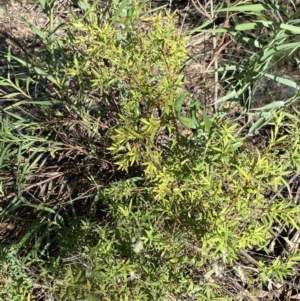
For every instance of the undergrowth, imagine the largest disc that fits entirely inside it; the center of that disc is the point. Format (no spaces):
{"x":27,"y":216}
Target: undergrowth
{"x":116,"y":183}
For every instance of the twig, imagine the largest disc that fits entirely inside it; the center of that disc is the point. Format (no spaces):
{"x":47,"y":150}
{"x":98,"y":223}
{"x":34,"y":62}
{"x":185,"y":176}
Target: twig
{"x":215,"y":59}
{"x":282,"y":187}
{"x":249,"y":258}
{"x":201,"y":10}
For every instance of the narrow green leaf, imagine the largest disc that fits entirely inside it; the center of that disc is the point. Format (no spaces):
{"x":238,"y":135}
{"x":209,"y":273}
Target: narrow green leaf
{"x":256,"y":25}
{"x":257,"y":125}
{"x":241,"y":27}
{"x":11,"y":95}
{"x":249,"y":8}
{"x":188,"y":122}
{"x":252,"y":42}
{"x":119,"y":11}
{"x":207,"y":122}
{"x":151,"y":11}
{"x":43,"y":3}
{"x":283,"y":80}
{"x":194,"y":117}
{"x":279,"y":48}
{"x":273,"y":105}
{"x":292,"y":28}
{"x":179,"y":102}
{"x":84,"y":5}
{"x":230,"y":95}
{"x":36,"y":30}
{"x":135,"y":134}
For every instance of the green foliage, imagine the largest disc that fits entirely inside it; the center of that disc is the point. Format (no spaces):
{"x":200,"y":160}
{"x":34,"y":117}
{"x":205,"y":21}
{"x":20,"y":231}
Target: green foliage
{"x":270,"y":38}
{"x":196,"y":213}
{"x":189,"y":194}
{"x":16,"y":283}
{"x":140,"y":57}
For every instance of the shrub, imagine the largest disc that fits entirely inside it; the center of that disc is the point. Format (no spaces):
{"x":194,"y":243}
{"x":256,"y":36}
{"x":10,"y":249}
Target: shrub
{"x":175,"y":233}
{"x":188,"y":198}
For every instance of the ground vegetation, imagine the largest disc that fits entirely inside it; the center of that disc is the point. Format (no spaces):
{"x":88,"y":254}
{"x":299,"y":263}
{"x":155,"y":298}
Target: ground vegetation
{"x":149,"y":150}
